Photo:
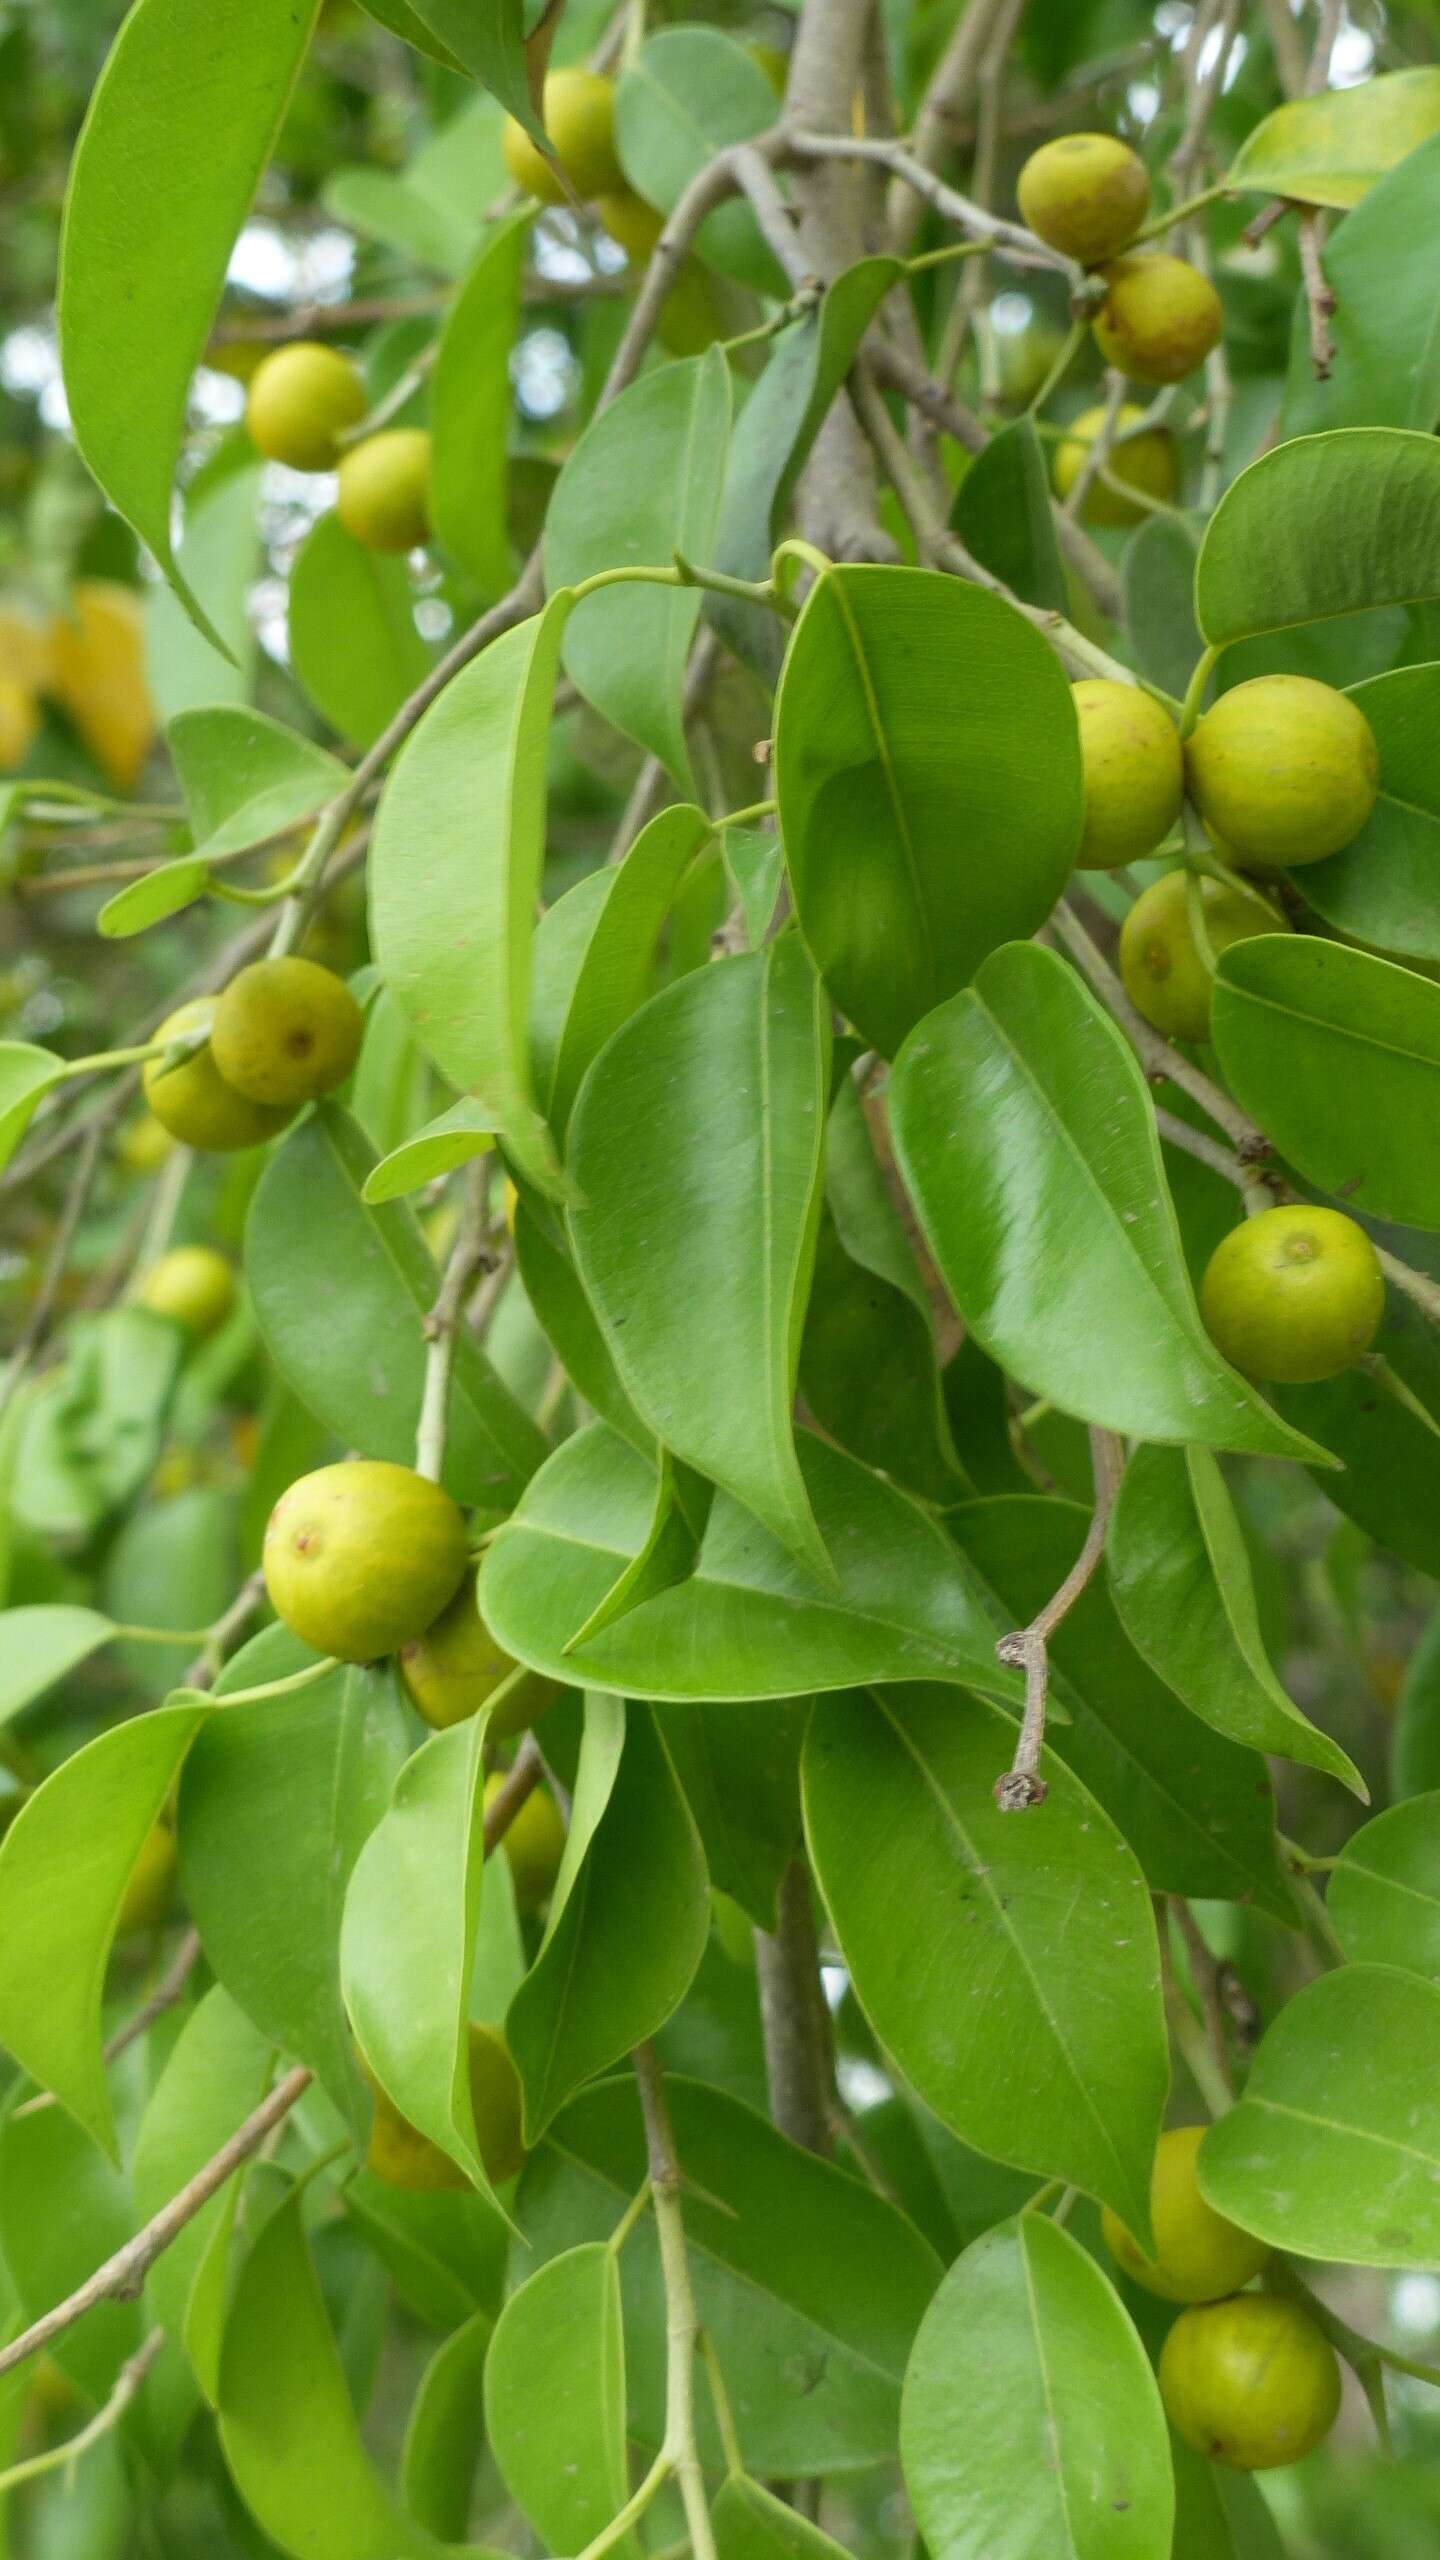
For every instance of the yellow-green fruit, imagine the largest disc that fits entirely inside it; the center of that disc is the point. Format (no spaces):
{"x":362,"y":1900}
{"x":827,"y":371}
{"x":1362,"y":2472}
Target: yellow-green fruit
{"x":194,"y":1284}
{"x":286,"y":1030}
{"x":579,"y":117}
{"x":300,"y":401}
{"x":1252,"y":2382}
{"x":453,"y":1667}
{"x":1198,"y":2254}
{"x":362,"y":1556}
{"x":534,"y":1843}
{"x":143,"y":1145}
{"x":1086,"y":194}
{"x":383,"y":493}
{"x":193,"y":1100}
{"x":1145,"y":463}
{"x":1284,"y":768}
{"x":1165,"y":976}
{"x":1294,"y":1295}
{"x":691,"y":316}
{"x":148,"y":1894}
{"x":19,"y":723}
{"x":1159,"y":319}
{"x":405,"y":2157}
{"x":1134,"y":772}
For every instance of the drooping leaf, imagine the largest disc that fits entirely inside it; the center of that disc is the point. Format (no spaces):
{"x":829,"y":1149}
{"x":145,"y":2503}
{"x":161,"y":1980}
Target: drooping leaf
{"x":1389,"y":1480}
{"x":1381,"y":888}
{"x":26,"y":1076}
{"x":869,"y":1376}
{"x":751,"y":2524}
{"x":40,"y":1644}
{"x":1384,"y":1896}
{"x":739,"y":1765}
{"x":1159,"y":588}
{"x":1002,"y":512}
{"x":219,"y":559}
{"x":688,"y":93}
{"x":216,"y":2073}
{"x":1330,"y":149}
{"x":1220,"y":2514}
{"x":1327,"y":524}
{"x":354,"y":646}
{"x":452,"y":1138}
{"x":927,"y":767}
{"x":63,"y":2207}
{"x":470,"y":403}
{"x":555,"y":2398}
{"x":566,"y":1317}
{"x":614,"y":966}
{"x":442,"y":2445}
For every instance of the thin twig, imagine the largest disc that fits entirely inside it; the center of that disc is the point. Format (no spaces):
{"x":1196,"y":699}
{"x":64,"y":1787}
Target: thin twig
{"x":1320,"y":294}
{"x":442,"y":1325}
{"x":1028,"y":1648}
{"x":794,"y":2020}
{"x":63,"y":2457}
{"x":682,"y":2325}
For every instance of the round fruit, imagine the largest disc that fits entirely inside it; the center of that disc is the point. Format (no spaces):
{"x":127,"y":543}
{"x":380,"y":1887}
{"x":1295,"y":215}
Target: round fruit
{"x":193,"y":1100}
{"x":1294,"y":1295}
{"x":362,"y":1556}
{"x":143,"y":1145}
{"x":1198,"y":2254}
{"x":452,"y":1668}
{"x":1085,"y":194}
{"x":1284,"y":768}
{"x":1165,"y":975}
{"x":691,"y":316}
{"x":152,"y":1882}
{"x":19,"y":723}
{"x":301,"y":400}
{"x":1159,"y":319}
{"x":97,"y":673}
{"x":1145,"y":463}
{"x":194,"y":1284}
{"x":286,"y":1031}
{"x":1252,"y":2382}
{"x":383,"y":494}
{"x":534,"y":1843}
{"x":403,"y":2156}
{"x":579,"y":117}
{"x":1134,"y":771}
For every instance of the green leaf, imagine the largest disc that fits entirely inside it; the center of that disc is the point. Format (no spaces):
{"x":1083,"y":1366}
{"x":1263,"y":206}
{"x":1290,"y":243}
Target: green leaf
{"x":1386,"y":365}
{"x":407,"y":1940}
{"x":1003,"y":514}
{"x":739,"y":1764}
{"x":274,"y":1812}
{"x":1381,"y":888}
{"x":626,"y":1932}
{"x":39,"y":1645}
{"x":1415,"y":1740}
{"x":179,"y":130}
{"x":219,"y":557}
{"x":1049,"y":2048}
{"x":63,"y":2208}
{"x":489,"y":43}
{"x":927,"y":766}
{"x":454,"y":1137}
{"x":1324,"y":525}
{"x":643,"y":481}
{"x":721,"y":1175}
{"x":455,"y":873}
{"x":1219,"y":2514}
{"x":441,"y":2442}
{"x":614,"y":966}
{"x":1331,"y":148}
{"x":1181,"y":1579}
{"x":244,"y":775}
{"x":385,"y":205}
{"x":869,"y":1375}
{"x":1389,"y":1479}
{"x":1063,"y":2447}
{"x":1158,"y":576}
{"x":1384,"y":1897}
{"x":64,"y":1864}
{"x":750,"y":1622}
{"x":809,"y":2287}
{"x":161,"y":893}
{"x":555,"y":2398}
{"x":750,"y":2524}
{"x":217,"y":2071}
{"x":332,"y":1278}
{"x":688,"y":93}
{"x":1337,"y":1055}
{"x":354,"y":647}
{"x":470,"y":404}
{"x":26,"y":1075}
{"x":1026,"y":1136}
{"x":1333,"y":2151}
{"x":565,"y":1315}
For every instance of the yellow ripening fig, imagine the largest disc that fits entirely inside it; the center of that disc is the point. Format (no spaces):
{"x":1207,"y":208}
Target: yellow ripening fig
{"x":19,"y":723}
{"x":1134,"y":773}
{"x":1285,"y":769}
{"x":452,"y":1669}
{"x":27,"y":649}
{"x":383,"y":494}
{"x":286,"y":1030}
{"x":1146,"y":463}
{"x":1165,"y":975}
{"x":1198,"y":2254}
{"x":361,"y":1556}
{"x":193,"y":1101}
{"x":405,"y":2157}
{"x":1085,"y":194}
{"x":193,"y":1284}
{"x":534,"y":1843}
{"x":98,"y":676}
{"x":151,"y":1888}
{"x":1159,"y":319}
{"x":579,"y":117}
{"x":1294,"y":1295}
{"x":1252,"y":2382}
{"x":300,"y":402}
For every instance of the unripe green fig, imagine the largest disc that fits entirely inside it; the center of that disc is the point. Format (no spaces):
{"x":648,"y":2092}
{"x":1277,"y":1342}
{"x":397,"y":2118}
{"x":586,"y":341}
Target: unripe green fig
{"x":1145,"y":462}
{"x":1085,"y":194}
{"x":1284,"y":770}
{"x":300,"y":402}
{"x":1134,"y":775}
{"x":193,"y":1100}
{"x":360,"y":1557}
{"x":456,"y":1665}
{"x":1159,"y":319}
{"x":383,"y":494}
{"x":1165,"y":975}
{"x":1198,"y":2254}
{"x":1252,"y":2382}
{"x":194,"y":1285}
{"x":579,"y":118}
{"x":286,"y":1031}
{"x":1294,"y":1295}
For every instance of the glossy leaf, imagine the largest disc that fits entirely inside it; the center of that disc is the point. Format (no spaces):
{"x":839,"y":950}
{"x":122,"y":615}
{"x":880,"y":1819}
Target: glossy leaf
{"x":614,"y":967}
{"x":26,"y":1076}
{"x":869,"y":1377}
{"x":565,"y":1315}
{"x":386,"y":206}
{"x":1220,"y":2514}
{"x":687,"y":93}
{"x":751,"y":2524}
{"x":927,"y":768}
{"x":1002,"y":513}
{"x":1381,"y":888}
{"x":161,"y":893}
{"x":1386,"y":364}
{"x":1389,"y":1481}
{"x":1337,"y":1055}
{"x":1063,"y":2453}
{"x":354,"y":646}
{"x":217,"y":2071}
{"x":1181,"y":1579}
{"x":470,"y":403}
{"x":245,"y":775}
{"x":720,"y":1177}
{"x":1325,"y":525}
{"x":219,"y":557}
{"x":555,"y":2398}
{"x":1333,"y":2150}
{"x":178,"y":133}
{"x":64,"y":2206}
{"x":739,"y":1765}
{"x":441,"y":2441}
{"x":643,"y":481}
{"x":39,"y":1645}
{"x":455,"y":871}
{"x":452,"y":1138}
{"x":1026,"y":1137}
{"x":1159,"y":586}
{"x":1330,"y":149}
{"x":1384,"y":1896}
{"x":1049,"y":2050}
